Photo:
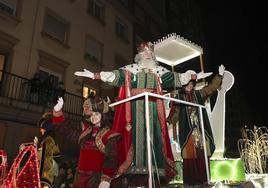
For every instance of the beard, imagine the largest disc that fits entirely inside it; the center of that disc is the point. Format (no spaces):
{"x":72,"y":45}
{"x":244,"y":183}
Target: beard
{"x":147,"y":63}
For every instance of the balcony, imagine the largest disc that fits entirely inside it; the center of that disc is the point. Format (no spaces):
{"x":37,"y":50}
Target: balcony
{"x":21,"y":103}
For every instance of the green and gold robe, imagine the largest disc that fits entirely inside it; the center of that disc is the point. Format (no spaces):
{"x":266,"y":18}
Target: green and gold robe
{"x":130,"y":119}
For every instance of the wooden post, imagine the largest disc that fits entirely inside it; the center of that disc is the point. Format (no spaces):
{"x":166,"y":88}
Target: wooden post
{"x":201,"y":62}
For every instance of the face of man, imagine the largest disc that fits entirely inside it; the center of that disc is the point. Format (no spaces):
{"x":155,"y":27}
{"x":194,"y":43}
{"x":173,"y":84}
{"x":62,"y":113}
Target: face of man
{"x":146,"y":59}
{"x":146,"y":54}
{"x":42,"y":131}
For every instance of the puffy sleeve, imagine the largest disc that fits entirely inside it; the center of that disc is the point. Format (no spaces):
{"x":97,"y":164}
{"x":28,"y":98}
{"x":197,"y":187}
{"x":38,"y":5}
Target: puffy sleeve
{"x":119,"y":78}
{"x":212,"y":87}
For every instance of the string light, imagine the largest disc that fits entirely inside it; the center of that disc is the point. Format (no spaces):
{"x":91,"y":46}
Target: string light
{"x":3,"y":166}
{"x":253,"y":149}
{"x":28,"y":176}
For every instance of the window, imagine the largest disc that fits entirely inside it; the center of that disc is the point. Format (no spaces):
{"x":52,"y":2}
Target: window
{"x":56,"y":27}
{"x":10,"y":10}
{"x":51,"y":65}
{"x":8,"y":7}
{"x":96,"y":9}
{"x":88,"y":92}
{"x":53,"y":77}
{"x":93,"y":49}
{"x":121,"y":29}
{"x":7,"y":43}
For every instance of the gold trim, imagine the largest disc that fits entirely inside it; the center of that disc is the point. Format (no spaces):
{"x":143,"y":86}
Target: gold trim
{"x":98,"y":139}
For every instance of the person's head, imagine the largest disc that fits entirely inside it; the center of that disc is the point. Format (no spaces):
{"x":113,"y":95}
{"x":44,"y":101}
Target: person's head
{"x":46,"y":124}
{"x":190,"y":86}
{"x":95,"y":118}
{"x":96,"y":108}
{"x":188,"y":80}
{"x":87,"y":107}
{"x":145,"y":56}
{"x":99,"y":108}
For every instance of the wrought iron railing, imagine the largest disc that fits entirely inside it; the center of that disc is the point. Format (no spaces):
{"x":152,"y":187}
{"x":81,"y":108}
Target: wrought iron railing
{"x":17,"y":88}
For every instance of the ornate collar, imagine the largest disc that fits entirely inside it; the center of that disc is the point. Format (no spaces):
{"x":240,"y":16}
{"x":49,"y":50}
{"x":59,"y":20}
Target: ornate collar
{"x":136,"y":68}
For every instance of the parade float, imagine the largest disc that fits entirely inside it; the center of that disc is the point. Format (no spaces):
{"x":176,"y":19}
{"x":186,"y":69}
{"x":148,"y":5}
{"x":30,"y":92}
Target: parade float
{"x":174,"y":50}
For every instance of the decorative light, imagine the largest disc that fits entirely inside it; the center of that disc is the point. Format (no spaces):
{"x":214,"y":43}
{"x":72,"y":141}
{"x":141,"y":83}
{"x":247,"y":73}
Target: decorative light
{"x":174,"y":49}
{"x":28,"y":175}
{"x":3,"y":166}
{"x":253,"y":149}
{"x":227,"y":170}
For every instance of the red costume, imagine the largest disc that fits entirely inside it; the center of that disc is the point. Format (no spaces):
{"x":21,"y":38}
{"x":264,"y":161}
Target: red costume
{"x":98,"y":155}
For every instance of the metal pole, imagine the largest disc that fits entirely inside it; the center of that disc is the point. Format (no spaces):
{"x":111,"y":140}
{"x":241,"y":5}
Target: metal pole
{"x":204,"y":144}
{"x":157,"y":96}
{"x":149,"y":153}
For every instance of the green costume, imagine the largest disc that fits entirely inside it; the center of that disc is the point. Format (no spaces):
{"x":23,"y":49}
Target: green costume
{"x":139,"y":81}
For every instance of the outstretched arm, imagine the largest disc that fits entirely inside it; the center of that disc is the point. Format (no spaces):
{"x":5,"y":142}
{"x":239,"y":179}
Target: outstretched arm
{"x":104,"y":76}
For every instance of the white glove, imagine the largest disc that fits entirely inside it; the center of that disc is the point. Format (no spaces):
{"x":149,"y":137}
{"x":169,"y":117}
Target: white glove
{"x":221,"y":70}
{"x":59,"y":105}
{"x":104,"y":184}
{"x":107,"y":76}
{"x":85,"y":73}
{"x":203,"y":74}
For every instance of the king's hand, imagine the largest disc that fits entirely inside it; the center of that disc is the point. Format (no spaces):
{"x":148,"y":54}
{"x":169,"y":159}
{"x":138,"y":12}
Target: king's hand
{"x":85,"y":73}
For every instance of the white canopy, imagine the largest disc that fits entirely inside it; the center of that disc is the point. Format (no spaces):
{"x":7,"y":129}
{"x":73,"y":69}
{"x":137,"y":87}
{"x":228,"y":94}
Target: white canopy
{"x":173,"y":50}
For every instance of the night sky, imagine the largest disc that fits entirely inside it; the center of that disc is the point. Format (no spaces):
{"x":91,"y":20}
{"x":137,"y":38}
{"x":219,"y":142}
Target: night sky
{"x":236,"y":37}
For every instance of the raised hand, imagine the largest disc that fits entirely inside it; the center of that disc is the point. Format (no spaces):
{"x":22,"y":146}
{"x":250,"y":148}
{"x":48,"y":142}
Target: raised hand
{"x":59,"y":105}
{"x":85,"y":73}
{"x":221,"y":70}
